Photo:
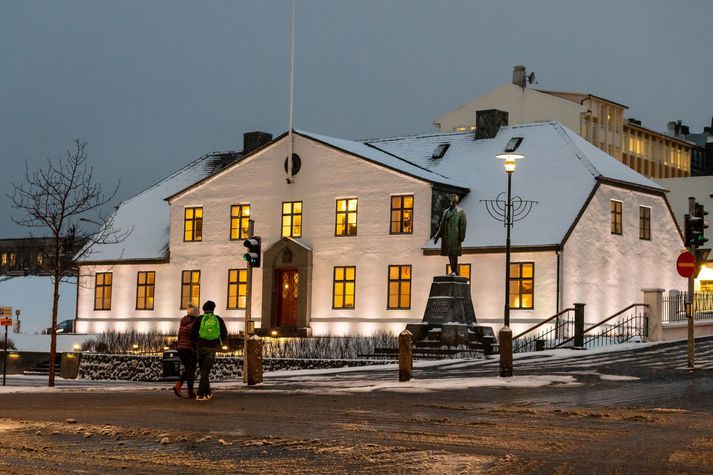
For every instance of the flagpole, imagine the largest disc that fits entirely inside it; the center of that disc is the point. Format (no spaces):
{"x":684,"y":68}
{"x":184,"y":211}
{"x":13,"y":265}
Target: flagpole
{"x":290,"y":144}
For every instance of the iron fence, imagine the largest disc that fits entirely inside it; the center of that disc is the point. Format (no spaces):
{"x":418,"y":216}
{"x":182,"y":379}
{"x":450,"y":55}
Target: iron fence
{"x":550,"y":333}
{"x":674,"y":306}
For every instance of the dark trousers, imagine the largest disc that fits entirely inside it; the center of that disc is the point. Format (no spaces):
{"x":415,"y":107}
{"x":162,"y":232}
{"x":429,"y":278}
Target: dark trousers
{"x":188,"y":360}
{"x":206,"y":356}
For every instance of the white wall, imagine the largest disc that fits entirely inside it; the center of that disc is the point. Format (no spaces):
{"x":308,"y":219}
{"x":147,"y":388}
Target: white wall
{"x":608,"y":271}
{"x":523,"y":105}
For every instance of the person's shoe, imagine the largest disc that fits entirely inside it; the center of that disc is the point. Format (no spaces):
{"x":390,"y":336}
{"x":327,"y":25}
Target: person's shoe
{"x":177,"y":388}
{"x":191,"y":394}
{"x":201,"y":398}
{"x":209,"y":396}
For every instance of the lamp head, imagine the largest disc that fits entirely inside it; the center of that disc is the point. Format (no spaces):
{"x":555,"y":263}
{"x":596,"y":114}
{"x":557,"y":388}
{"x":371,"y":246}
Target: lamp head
{"x":510,"y":160}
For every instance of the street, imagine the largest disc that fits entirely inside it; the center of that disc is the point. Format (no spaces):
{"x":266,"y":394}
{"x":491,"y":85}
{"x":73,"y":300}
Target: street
{"x":633,"y":410}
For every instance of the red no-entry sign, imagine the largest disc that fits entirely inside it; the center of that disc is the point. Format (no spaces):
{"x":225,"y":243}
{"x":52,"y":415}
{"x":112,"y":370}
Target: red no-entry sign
{"x":686,"y":264}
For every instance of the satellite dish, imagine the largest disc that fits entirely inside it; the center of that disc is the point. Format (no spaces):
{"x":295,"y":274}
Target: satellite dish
{"x":531,"y":78}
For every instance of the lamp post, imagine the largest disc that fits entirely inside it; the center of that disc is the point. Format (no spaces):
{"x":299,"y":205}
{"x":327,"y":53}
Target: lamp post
{"x":505,"y":334}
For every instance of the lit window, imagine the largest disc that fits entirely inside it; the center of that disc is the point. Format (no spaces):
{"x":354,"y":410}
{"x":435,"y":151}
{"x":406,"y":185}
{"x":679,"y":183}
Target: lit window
{"x":402,"y":214}
{"x":522,"y":285}
{"x":190,"y":288}
{"x":239,"y":221}
{"x":102,"y":291}
{"x":346,"y":224}
{"x":616,"y":217}
{"x":463,"y":270}
{"x":145,"y":288}
{"x":193,"y":224}
{"x":12,"y":258}
{"x":4,"y":258}
{"x":645,"y":223}
{"x":399,"y":287}
{"x":344,"y":287}
{"x":292,"y":219}
{"x":39,"y":259}
{"x":237,"y":288}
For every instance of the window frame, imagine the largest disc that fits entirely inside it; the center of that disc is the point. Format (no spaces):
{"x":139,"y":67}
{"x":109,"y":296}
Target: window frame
{"x":292,"y":215}
{"x":190,"y":285}
{"x":104,"y":289}
{"x":346,"y":214}
{"x":239,"y":218}
{"x":521,"y":279}
{"x":196,"y":234}
{"x":645,"y":223}
{"x":401,"y":210}
{"x":399,"y":282}
{"x":616,"y":228}
{"x":146,"y":286}
{"x":344,"y":281}
{"x":239,"y":285}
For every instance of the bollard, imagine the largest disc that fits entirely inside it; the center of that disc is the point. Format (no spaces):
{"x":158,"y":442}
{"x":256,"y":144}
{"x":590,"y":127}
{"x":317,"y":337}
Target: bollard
{"x":579,"y":325}
{"x":254,"y":361}
{"x":405,"y":356}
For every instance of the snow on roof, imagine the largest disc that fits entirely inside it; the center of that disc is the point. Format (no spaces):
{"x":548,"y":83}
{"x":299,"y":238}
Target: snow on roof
{"x":147,"y":214}
{"x":559,"y":171}
{"x":364,"y":150}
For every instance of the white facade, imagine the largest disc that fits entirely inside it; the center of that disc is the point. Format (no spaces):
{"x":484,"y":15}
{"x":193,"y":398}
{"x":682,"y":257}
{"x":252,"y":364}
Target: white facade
{"x":567,"y":238}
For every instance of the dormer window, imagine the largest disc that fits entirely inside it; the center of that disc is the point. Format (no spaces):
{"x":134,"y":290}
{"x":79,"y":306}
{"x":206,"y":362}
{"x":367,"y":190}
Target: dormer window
{"x":440,"y":150}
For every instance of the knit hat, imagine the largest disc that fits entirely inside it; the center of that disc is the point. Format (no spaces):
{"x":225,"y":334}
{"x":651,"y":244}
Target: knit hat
{"x":209,"y":306}
{"x":193,"y":311}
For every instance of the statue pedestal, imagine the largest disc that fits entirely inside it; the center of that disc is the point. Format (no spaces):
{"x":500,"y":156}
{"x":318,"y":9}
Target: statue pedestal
{"x":449,"y":318}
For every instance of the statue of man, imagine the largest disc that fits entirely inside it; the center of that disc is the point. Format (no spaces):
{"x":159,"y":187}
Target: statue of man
{"x":452,"y":232}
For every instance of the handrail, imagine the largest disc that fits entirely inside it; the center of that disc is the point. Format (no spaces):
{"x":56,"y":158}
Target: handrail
{"x":603,"y":321}
{"x":543,"y":322}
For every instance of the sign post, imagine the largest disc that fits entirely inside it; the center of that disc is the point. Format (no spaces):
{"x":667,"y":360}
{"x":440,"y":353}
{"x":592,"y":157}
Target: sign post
{"x":5,"y":321}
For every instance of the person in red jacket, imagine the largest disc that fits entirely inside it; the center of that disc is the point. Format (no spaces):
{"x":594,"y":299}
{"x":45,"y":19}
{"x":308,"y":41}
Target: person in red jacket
{"x":186,"y":351}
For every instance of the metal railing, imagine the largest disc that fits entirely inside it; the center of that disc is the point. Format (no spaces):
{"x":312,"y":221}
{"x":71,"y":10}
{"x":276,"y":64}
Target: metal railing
{"x":551,"y":331}
{"x":674,"y":306}
{"x":625,"y":325}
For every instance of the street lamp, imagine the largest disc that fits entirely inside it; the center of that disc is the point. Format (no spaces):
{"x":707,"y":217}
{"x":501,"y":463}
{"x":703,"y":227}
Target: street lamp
{"x":505,"y":335}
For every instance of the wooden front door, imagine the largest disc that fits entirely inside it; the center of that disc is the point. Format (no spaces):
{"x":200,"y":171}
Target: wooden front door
{"x":286,"y":293}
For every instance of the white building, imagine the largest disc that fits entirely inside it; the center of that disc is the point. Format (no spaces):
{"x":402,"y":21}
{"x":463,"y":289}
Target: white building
{"x":346,"y":245}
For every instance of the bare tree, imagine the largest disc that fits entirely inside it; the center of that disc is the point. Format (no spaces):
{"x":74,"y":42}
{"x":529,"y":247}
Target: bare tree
{"x":54,"y":199}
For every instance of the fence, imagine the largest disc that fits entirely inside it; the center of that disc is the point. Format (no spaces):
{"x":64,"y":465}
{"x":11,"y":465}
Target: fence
{"x":674,"y":306}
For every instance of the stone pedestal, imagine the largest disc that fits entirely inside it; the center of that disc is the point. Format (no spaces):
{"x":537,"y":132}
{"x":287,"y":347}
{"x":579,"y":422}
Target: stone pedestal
{"x":449,"y":318}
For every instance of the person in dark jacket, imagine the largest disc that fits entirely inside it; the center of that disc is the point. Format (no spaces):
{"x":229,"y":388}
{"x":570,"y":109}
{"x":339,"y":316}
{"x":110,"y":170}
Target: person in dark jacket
{"x":207,"y":346}
{"x":187,"y":351}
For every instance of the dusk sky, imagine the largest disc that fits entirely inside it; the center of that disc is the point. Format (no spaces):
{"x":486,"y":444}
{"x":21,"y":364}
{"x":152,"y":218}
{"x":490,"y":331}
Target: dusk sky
{"x":153,"y":85}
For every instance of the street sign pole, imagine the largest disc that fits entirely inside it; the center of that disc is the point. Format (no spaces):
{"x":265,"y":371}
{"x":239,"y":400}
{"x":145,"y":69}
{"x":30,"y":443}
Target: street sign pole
{"x":248,"y":306}
{"x":4,"y":360}
{"x":690,"y":311}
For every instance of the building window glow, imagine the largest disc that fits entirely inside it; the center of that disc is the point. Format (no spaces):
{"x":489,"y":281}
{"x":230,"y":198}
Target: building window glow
{"x":616,"y":217}
{"x":399,"y":287}
{"x":522,"y":285}
{"x":645,"y":223}
{"x":344,"y":287}
{"x":239,"y":221}
{"x":190,"y":288}
{"x":463,"y":270}
{"x":12,"y":258}
{"x":193,"y":224}
{"x":237,"y":288}
{"x":4,"y":258}
{"x":292,"y":219}
{"x":346,"y":224}
{"x":145,"y":288}
{"x":102,"y":291}
{"x":402,"y":214}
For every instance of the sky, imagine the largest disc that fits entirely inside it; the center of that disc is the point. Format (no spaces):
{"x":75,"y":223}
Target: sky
{"x":153,"y":85}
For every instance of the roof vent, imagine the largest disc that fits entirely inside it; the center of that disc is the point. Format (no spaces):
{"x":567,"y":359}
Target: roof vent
{"x":440,"y":150}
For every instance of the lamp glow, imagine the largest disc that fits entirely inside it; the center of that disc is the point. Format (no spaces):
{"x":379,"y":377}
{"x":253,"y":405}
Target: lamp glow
{"x":510,"y":160}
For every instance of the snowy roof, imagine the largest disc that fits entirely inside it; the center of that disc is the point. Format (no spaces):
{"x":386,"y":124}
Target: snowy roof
{"x":559,"y":171}
{"x":147,"y":214}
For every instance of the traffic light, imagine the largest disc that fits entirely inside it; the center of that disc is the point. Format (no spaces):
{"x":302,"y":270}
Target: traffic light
{"x":688,"y":234}
{"x":252,"y":257}
{"x":697,"y":224}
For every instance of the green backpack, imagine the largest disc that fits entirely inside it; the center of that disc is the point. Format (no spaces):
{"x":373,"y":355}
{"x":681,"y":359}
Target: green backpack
{"x":210,"y":327}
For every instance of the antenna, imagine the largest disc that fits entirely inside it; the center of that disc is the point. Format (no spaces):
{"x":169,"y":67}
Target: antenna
{"x":531,"y":78}
{"x":290,"y":138}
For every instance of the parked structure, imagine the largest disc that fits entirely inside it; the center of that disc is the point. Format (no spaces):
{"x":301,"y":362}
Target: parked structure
{"x":345,"y":241}
{"x":598,"y":120}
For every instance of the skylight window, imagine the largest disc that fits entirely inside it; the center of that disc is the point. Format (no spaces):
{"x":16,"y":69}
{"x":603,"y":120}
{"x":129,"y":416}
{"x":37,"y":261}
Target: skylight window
{"x":440,"y":150}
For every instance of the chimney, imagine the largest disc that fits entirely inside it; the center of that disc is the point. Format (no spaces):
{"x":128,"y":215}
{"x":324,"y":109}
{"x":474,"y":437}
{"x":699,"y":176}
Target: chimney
{"x":671,"y":128}
{"x":488,"y":122}
{"x":518,"y":76}
{"x":254,"y":140}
